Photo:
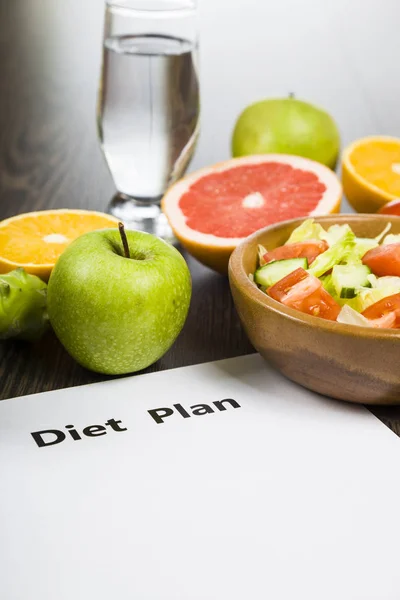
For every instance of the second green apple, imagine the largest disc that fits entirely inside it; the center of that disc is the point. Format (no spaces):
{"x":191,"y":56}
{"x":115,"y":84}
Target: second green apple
{"x":287,"y":126}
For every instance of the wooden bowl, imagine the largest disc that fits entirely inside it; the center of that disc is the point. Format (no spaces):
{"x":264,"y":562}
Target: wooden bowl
{"x":357,"y":364}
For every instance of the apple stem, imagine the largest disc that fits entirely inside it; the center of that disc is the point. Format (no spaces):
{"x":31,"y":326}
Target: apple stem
{"x":124,"y":239}
{"x":291,"y":94}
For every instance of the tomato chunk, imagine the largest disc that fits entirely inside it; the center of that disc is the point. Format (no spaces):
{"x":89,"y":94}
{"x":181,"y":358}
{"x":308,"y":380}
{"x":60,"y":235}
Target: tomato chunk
{"x":279,"y":289}
{"x":391,"y":208}
{"x":304,"y":292}
{"x":387,"y":310}
{"x":383,"y":260}
{"x":309,"y":249}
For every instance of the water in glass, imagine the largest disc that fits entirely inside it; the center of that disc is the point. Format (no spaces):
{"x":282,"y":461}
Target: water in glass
{"x":148,"y":111}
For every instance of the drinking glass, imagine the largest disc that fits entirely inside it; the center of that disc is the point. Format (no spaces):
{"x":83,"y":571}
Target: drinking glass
{"x":148,"y":105}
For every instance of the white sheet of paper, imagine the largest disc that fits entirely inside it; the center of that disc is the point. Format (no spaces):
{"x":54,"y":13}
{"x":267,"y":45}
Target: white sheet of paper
{"x":291,"y":495}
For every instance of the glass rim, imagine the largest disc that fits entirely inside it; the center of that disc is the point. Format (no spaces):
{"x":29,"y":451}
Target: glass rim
{"x":174,"y":6}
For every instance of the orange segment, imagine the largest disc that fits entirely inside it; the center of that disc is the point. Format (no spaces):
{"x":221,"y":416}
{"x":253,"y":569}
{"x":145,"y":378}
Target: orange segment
{"x":35,"y":240}
{"x":379,"y":163}
{"x":371,"y":172}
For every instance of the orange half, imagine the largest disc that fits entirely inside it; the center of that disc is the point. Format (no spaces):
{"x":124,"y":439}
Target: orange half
{"x":371,"y":172}
{"x":35,"y":240}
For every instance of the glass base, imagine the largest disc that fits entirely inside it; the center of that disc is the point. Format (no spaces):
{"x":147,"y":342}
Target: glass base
{"x":141,"y":215}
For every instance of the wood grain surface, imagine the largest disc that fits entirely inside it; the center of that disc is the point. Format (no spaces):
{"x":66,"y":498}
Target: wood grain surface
{"x":49,"y":154}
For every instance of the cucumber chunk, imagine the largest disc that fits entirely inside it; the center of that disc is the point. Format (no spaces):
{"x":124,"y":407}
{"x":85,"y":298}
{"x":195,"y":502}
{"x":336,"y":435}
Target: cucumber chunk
{"x":348,"y":279}
{"x":278,"y":269}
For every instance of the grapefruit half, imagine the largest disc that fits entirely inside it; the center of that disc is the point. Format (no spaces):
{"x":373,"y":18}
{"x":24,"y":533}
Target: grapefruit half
{"x":212,"y":210}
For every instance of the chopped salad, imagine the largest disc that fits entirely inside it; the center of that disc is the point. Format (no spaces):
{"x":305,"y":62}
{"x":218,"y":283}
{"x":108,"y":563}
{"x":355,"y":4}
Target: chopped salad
{"x":335,"y":275}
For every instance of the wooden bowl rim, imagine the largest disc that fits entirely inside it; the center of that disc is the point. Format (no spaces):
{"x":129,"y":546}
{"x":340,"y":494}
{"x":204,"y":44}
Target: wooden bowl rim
{"x":238,"y":274}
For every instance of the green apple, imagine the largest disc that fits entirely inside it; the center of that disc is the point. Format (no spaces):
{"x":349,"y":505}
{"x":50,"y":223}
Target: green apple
{"x":288,"y":126}
{"x":116,"y":314}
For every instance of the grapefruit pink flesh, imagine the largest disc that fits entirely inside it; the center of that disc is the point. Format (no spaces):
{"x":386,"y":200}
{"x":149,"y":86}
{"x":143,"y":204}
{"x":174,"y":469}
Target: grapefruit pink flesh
{"x":212,"y":210}
{"x":235,"y":203}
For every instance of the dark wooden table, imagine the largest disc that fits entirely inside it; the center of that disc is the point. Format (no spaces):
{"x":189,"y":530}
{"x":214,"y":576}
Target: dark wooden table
{"x":50,"y":157}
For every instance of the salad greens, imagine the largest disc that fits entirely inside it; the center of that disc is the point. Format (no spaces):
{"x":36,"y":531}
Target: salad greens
{"x":344,"y":275}
{"x":347,"y":249}
{"x":308,"y":230}
{"x":338,"y":253}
